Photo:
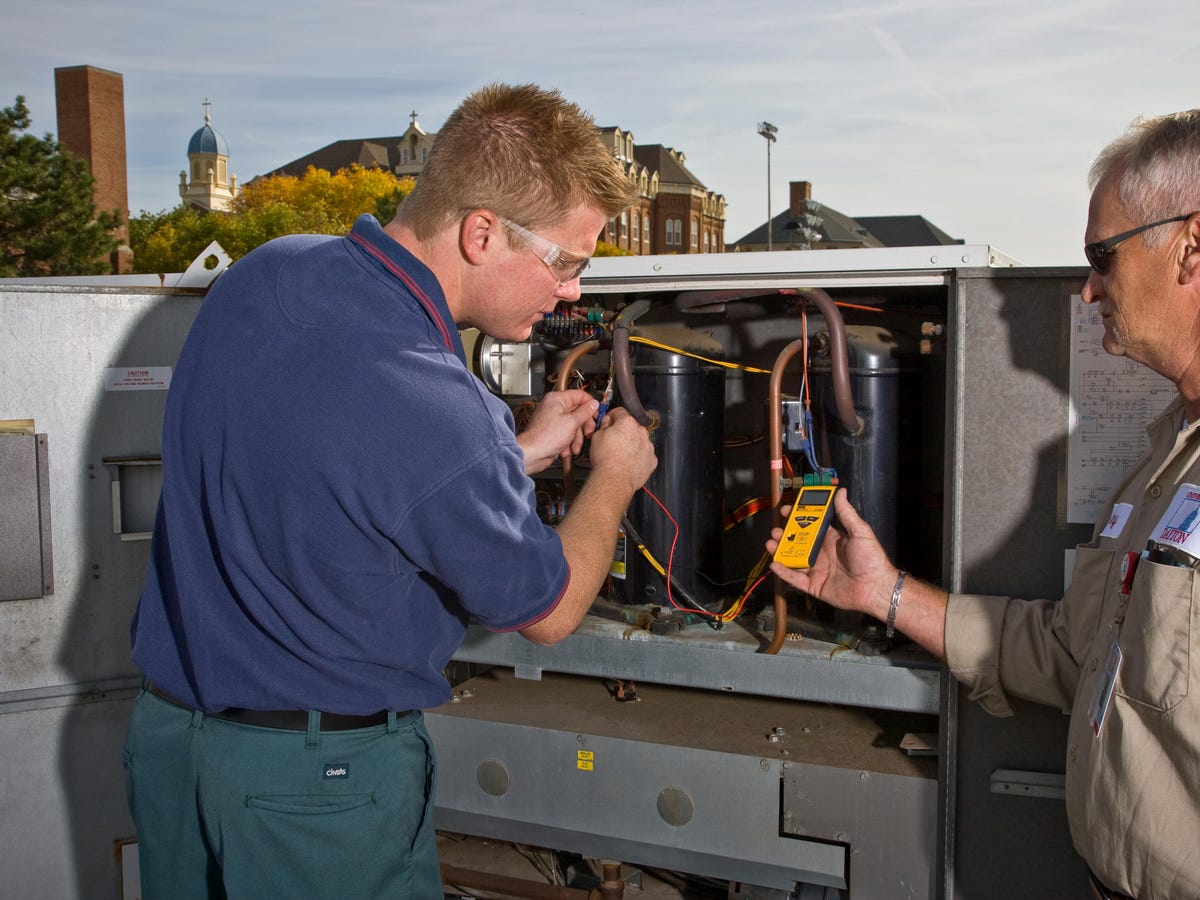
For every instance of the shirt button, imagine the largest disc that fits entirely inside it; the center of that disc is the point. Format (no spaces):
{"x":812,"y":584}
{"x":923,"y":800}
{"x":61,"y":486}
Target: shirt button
{"x":1071,"y":754}
{"x":1156,"y":491}
{"x":1095,"y":663}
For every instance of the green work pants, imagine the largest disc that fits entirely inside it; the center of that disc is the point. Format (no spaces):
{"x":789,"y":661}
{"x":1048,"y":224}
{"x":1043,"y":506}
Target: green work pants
{"x":225,"y":810}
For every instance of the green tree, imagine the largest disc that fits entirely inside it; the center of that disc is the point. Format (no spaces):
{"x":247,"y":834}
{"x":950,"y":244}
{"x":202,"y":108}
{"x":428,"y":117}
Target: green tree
{"x":48,"y":219}
{"x":318,"y":202}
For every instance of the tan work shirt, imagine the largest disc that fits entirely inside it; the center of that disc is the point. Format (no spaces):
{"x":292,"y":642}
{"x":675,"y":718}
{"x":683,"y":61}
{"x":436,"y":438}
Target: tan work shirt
{"x":1133,"y":788}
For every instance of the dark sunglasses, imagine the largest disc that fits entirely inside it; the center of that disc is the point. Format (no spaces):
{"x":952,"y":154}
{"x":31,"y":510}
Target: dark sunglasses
{"x":1099,"y":254}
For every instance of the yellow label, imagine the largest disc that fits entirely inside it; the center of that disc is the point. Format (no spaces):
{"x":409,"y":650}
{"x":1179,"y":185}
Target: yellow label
{"x":586,"y":754}
{"x":584,"y":760}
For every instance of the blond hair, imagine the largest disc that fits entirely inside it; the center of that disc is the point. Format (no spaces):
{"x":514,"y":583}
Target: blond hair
{"x":522,"y":152}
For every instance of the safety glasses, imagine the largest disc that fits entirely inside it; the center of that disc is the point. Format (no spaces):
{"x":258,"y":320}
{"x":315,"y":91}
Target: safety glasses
{"x":1100,"y":254}
{"x":563,"y":264}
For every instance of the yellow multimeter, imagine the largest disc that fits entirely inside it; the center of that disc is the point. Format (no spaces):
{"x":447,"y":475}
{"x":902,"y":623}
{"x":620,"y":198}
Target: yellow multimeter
{"x":806,"y":526}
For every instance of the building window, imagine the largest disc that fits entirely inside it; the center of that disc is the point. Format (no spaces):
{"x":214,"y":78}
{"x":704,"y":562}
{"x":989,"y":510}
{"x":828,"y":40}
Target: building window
{"x":695,"y":241}
{"x":675,"y":232}
{"x":637,"y":234}
{"x":624,"y":226}
{"x":404,"y":156}
{"x":424,"y":155}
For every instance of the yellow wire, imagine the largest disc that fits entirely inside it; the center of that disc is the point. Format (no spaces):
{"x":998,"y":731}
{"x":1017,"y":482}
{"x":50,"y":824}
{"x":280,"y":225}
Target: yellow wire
{"x":715,"y":362}
{"x":650,"y":559}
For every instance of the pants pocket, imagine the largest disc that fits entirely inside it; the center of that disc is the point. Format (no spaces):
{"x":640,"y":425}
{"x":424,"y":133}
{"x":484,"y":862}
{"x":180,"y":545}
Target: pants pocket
{"x":309,"y":804}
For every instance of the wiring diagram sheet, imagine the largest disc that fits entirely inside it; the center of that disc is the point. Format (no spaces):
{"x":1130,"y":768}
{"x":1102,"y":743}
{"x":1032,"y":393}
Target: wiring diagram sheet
{"x":1111,"y":401}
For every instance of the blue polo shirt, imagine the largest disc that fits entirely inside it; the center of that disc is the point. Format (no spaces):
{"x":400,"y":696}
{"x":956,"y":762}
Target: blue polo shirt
{"x":341,"y":496}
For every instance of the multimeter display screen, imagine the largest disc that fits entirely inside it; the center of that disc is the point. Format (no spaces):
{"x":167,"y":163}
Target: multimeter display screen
{"x":814,"y":498}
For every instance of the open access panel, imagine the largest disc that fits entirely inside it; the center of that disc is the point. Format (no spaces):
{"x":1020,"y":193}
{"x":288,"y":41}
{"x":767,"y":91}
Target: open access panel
{"x":707,"y":719}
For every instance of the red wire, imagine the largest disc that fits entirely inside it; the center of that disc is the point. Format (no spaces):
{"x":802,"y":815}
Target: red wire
{"x":674,"y":541}
{"x":804,"y":358}
{"x":671,"y":563}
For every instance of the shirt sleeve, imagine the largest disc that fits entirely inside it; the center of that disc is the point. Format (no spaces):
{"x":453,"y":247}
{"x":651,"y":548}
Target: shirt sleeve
{"x":1002,"y":646}
{"x":478,"y":534}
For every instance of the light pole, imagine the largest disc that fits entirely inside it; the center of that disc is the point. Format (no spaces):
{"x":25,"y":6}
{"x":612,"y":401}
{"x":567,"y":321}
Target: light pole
{"x":767,"y":130}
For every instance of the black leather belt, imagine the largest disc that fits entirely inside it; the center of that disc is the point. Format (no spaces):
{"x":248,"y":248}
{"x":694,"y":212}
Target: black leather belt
{"x":283,"y":719}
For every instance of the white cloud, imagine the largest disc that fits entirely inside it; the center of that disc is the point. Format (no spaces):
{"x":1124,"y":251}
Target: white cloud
{"x":982,"y":115}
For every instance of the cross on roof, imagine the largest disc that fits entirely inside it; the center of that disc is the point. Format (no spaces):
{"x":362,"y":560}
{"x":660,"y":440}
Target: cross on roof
{"x":207,"y":104}
{"x":412,"y":116}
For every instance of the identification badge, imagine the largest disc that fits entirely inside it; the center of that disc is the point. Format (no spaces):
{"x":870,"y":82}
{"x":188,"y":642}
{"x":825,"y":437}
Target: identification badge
{"x":1116,"y":522}
{"x":1179,"y":525}
{"x":1104,"y":689}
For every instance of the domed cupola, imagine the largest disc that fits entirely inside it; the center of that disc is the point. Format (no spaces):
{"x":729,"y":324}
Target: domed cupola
{"x":207,"y":184}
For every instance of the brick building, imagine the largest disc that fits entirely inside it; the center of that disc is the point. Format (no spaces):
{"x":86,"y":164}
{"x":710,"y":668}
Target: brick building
{"x":91,"y":126}
{"x":675,"y":212}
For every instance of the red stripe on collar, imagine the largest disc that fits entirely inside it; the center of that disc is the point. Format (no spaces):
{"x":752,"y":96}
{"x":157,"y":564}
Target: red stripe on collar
{"x":410,"y":283}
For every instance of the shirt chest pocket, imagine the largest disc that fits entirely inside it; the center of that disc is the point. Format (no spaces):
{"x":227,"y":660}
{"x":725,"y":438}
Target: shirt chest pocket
{"x":1156,"y":639}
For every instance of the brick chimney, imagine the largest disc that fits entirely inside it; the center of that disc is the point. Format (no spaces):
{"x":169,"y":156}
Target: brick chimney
{"x":800,"y":192}
{"x":91,"y":127}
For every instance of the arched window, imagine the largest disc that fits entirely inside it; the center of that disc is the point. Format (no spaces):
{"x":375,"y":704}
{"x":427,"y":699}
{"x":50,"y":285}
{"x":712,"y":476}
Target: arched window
{"x":624,"y":226}
{"x":695,"y":242}
{"x":637,"y":233}
{"x":677,"y":232}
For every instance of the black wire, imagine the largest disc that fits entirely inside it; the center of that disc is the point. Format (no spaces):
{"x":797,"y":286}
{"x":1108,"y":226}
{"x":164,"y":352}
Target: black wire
{"x":677,"y":590}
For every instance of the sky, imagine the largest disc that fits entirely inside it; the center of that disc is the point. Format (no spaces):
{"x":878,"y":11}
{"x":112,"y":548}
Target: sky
{"x":981,"y":115}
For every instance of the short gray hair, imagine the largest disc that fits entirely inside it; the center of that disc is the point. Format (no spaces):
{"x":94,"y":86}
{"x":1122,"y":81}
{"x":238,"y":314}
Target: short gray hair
{"x":1157,"y":164}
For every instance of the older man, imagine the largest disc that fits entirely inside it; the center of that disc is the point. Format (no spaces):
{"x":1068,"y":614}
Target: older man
{"x":341,"y":496}
{"x":1121,"y":648}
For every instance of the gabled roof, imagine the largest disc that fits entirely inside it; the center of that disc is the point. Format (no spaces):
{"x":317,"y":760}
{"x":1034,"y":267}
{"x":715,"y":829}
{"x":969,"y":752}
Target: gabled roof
{"x":834,"y":227}
{"x":377,"y":152}
{"x":906,"y":231}
{"x":665,"y":161}
{"x":837,"y":228}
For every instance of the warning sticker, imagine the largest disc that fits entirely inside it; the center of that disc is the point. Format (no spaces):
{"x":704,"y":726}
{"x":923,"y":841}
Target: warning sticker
{"x":150,"y":378}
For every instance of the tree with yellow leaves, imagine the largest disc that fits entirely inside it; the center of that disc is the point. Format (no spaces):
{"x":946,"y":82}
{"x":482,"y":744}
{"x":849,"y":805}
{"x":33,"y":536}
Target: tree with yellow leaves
{"x":318,"y":202}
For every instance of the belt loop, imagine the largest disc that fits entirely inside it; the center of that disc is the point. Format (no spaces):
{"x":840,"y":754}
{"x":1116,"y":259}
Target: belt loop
{"x":197,"y":718}
{"x":312,"y":738}
{"x":392,"y":727}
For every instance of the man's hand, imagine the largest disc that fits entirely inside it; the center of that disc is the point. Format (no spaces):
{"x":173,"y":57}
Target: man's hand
{"x":852,"y":570}
{"x":559,"y":426}
{"x":622,"y":459}
{"x":621,"y":449}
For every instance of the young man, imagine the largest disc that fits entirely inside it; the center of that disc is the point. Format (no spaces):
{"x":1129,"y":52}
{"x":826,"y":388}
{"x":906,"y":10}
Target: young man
{"x":1133,"y":758}
{"x":341,"y":496}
